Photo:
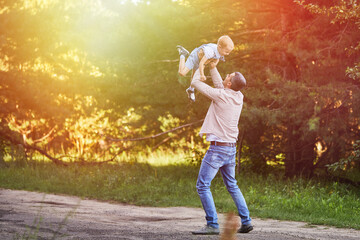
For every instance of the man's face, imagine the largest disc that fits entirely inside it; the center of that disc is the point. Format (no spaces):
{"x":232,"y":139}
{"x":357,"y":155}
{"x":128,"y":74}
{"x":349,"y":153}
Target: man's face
{"x":227,"y":80}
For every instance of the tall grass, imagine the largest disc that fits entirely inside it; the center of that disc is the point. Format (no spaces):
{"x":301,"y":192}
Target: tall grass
{"x":315,"y":202}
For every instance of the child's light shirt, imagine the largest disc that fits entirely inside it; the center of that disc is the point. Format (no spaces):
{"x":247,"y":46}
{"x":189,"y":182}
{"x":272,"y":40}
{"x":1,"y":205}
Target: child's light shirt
{"x":211,"y":51}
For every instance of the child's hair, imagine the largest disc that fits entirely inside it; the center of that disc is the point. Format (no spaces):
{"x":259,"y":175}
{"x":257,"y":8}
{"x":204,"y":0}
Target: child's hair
{"x":238,"y":82}
{"x":225,"y":41}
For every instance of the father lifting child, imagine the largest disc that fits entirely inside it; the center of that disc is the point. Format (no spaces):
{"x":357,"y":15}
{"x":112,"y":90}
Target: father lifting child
{"x":220,"y":127}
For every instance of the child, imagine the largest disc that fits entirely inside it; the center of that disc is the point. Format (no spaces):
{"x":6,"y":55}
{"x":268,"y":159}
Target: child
{"x":201,"y":56}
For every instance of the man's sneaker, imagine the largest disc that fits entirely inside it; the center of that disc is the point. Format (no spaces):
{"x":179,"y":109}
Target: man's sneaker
{"x":191,"y":94}
{"x":245,"y":228}
{"x":182,"y":50}
{"x":207,"y":230}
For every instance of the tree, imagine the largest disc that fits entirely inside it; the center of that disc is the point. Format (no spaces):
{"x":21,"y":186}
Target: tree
{"x":312,"y":99}
{"x":300,"y":106}
{"x":88,"y":58}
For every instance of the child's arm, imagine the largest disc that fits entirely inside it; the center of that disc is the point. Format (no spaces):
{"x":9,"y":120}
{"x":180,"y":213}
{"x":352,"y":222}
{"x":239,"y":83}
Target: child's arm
{"x":202,"y":62}
{"x":201,"y":68}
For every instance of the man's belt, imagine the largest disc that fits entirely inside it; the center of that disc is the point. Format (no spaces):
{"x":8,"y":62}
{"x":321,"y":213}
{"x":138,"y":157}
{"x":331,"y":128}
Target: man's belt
{"x":223,"y":144}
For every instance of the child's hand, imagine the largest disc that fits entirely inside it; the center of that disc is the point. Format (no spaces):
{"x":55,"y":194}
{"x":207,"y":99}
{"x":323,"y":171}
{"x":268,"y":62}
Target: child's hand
{"x":213,"y":63}
{"x":202,"y":78}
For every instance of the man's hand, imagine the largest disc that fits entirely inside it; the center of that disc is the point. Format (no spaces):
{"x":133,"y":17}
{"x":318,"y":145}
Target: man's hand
{"x":202,"y":78}
{"x":213,"y":64}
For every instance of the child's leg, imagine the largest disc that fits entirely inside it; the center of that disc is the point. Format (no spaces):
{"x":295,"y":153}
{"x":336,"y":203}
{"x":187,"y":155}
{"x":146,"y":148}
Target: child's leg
{"x":183,"y":70}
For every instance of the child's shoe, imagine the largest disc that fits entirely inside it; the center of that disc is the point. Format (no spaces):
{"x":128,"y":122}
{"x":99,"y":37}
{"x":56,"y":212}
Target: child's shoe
{"x":191,"y":94}
{"x":182,"y":51}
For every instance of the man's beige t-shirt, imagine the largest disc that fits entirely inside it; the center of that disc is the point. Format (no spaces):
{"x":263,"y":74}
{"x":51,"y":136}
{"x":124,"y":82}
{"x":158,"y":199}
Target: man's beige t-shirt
{"x":224,"y":112}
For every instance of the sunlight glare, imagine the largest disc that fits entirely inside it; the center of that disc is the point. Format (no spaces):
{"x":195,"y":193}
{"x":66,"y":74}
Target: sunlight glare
{"x":34,"y":6}
{"x":4,"y":66}
{"x":95,"y":72}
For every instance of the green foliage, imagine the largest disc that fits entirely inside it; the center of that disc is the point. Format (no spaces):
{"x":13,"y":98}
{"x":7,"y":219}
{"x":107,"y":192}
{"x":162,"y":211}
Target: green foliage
{"x":354,"y":72}
{"x":87,"y":59}
{"x":309,"y":199}
{"x":302,"y":98}
{"x":269,"y":196}
{"x":70,"y":72}
{"x":348,"y":167}
{"x":343,"y":12}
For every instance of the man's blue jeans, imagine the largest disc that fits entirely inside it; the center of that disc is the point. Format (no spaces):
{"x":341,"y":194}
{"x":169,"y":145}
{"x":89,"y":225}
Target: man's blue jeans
{"x":223,"y":158}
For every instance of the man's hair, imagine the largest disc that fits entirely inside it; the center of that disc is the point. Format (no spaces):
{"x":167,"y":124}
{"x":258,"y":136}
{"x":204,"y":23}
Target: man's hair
{"x":238,"y":82}
{"x":225,"y":41}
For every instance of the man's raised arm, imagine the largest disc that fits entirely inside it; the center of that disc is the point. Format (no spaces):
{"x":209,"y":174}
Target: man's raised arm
{"x":203,"y":88}
{"x":215,"y":75}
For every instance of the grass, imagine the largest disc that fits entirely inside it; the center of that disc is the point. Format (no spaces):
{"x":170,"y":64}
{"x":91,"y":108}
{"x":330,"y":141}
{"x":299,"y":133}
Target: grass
{"x":311,"y":201}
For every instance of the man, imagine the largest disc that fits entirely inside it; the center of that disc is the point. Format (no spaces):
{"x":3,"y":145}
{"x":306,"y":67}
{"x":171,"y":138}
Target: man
{"x":221,"y":129}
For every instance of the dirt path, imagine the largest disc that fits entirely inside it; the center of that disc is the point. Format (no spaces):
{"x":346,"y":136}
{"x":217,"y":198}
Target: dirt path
{"x":67,"y":217}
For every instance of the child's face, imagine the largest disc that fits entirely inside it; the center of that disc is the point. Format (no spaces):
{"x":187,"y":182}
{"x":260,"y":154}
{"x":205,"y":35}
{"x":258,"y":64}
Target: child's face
{"x":224,"y":51}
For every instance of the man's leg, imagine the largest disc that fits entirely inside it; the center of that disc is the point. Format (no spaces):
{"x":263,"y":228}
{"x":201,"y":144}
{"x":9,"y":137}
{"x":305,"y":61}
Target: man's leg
{"x":228,"y":174}
{"x":206,"y":175}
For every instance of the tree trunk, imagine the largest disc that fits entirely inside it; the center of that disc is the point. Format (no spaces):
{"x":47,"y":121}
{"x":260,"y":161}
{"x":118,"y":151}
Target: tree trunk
{"x":307,"y":159}
{"x":2,"y":161}
{"x":300,"y":155}
{"x":291,"y":154}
